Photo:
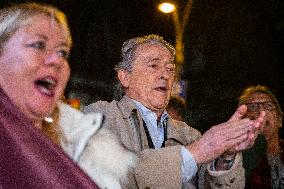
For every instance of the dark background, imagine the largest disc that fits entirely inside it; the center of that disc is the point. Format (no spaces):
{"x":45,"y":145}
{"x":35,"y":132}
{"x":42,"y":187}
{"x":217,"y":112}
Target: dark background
{"x":229,"y":45}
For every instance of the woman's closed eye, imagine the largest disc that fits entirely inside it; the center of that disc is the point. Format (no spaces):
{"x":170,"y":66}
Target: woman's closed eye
{"x":63,"y":53}
{"x":40,"y":45}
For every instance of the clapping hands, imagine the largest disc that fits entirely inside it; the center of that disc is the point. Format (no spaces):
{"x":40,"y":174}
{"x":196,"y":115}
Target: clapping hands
{"x":233,"y":136}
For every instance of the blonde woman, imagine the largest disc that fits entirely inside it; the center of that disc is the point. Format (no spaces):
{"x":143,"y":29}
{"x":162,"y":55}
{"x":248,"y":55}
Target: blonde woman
{"x":35,"y":42}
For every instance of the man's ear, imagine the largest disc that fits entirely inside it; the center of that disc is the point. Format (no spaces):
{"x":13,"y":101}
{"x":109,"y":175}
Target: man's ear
{"x":124,"y":77}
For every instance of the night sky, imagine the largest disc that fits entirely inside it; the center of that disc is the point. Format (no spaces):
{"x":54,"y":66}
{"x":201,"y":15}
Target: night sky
{"x":229,"y":45}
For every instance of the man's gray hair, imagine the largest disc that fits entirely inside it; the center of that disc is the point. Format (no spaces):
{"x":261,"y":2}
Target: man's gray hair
{"x":129,"y":47}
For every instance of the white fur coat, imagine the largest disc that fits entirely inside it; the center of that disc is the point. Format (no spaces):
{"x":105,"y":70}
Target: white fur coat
{"x":95,"y":149}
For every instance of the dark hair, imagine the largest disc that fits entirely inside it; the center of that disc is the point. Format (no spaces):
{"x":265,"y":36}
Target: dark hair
{"x":178,"y":104}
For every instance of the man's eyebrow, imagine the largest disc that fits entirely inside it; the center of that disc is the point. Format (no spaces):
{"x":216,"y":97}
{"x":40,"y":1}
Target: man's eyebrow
{"x":151,"y":59}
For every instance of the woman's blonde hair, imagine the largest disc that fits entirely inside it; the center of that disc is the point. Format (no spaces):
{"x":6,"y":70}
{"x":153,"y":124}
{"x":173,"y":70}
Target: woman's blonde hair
{"x":14,"y":17}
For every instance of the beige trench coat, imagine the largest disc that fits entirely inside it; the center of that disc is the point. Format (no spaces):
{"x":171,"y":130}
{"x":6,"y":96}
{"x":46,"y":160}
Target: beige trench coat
{"x":160,"y":168}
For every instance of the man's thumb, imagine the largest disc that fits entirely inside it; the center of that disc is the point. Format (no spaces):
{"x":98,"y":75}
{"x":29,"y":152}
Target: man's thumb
{"x":240,"y":112}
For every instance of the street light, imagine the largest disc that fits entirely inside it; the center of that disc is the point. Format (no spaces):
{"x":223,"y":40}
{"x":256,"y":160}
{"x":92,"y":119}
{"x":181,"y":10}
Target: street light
{"x":167,"y":7}
{"x":179,"y":26}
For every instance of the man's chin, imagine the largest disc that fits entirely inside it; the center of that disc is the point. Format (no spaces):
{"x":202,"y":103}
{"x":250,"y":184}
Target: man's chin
{"x":161,"y":106}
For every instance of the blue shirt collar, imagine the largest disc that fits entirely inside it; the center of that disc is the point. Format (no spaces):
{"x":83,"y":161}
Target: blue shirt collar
{"x":148,"y":113}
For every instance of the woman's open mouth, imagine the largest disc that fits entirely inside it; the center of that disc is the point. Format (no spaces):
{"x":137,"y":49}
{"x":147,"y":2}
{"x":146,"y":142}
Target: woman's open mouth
{"x":46,"y":86}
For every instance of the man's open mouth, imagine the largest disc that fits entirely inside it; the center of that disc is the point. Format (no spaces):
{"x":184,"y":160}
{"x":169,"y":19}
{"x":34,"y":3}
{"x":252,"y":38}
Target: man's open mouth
{"x":161,"y":89}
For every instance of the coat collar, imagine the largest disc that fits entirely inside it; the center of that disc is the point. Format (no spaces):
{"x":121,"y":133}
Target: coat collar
{"x":127,"y":106}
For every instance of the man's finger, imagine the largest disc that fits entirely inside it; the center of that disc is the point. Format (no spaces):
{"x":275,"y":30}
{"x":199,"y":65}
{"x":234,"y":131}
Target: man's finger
{"x":236,"y":129}
{"x":236,"y":141}
{"x":260,"y":120}
{"x":240,"y":112}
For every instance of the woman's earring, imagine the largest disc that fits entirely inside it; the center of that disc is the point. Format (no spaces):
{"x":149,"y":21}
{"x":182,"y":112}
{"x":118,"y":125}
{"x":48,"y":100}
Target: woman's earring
{"x":48,"y":119}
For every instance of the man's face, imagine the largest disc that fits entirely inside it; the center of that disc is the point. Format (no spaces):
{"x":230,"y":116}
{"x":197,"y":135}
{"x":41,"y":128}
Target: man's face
{"x":152,"y":76}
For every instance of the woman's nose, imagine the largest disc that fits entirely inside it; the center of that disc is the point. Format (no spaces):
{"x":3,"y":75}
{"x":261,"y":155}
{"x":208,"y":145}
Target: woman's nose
{"x":252,"y":115}
{"x":51,"y":58}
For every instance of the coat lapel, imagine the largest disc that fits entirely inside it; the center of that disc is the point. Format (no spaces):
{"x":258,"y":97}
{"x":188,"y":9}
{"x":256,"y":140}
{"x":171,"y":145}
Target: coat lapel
{"x":134,"y":124}
{"x":173,"y":137}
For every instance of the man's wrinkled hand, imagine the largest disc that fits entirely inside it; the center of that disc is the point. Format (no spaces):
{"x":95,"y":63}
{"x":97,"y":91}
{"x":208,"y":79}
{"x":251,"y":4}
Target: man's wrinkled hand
{"x":257,"y":126}
{"x":236,"y":134}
